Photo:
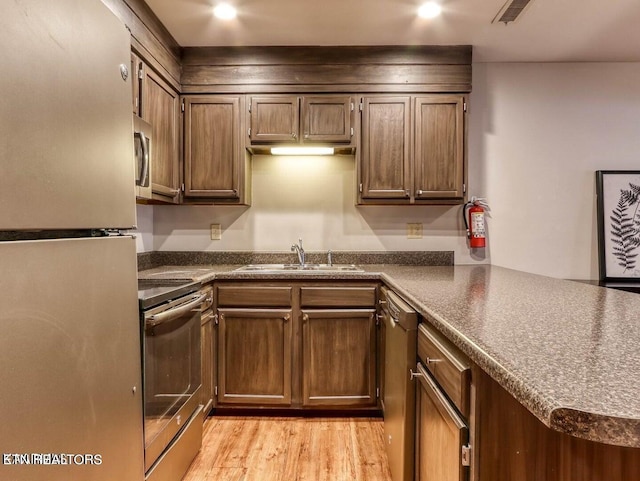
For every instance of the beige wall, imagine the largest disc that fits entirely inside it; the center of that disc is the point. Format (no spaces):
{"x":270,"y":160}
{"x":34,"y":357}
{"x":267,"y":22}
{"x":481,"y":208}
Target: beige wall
{"x":537,"y":133}
{"x":312,"y":198}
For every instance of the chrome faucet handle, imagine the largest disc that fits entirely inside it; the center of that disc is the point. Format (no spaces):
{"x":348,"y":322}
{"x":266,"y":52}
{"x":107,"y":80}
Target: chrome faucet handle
{"x":297,"y":248}
{"x":329,"y":257}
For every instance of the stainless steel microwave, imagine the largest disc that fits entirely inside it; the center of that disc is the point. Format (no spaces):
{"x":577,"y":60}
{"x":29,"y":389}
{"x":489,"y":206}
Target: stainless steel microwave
{"x":143,"y":149}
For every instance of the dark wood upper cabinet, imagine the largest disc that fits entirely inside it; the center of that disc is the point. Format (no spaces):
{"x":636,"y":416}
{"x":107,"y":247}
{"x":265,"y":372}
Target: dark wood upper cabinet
{"x":213,"y":155}
{"x":412,"y":150}
{"x":400,"y":110}
{"x":327,"y":119}
{"x":274,"y":119}
{"x":316,"y":119}
{"x":386,"y":150}
{"x":159,"y":104}
{"x":439,"y":147}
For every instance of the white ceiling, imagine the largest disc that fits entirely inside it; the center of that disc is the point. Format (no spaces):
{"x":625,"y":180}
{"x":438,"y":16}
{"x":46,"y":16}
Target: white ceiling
{"x":548,"y":30}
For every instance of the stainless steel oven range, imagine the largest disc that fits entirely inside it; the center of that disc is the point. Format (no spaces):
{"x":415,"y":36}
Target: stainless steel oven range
{"x":171,"y":356}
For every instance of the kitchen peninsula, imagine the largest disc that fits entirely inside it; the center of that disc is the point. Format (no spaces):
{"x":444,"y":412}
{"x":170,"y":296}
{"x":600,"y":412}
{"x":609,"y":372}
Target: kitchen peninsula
{"x":554,"y":363}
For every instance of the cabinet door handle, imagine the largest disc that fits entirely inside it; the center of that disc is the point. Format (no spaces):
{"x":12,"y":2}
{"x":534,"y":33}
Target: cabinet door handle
{"x":305,"y":317}
{"x":406,"y":193}
{"x":294,"y":135}
{"x":414,"y":375}
{"x":286,"y":317}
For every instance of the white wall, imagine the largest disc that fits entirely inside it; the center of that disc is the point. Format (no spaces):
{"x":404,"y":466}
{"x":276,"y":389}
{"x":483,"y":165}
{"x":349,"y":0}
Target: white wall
{"x":538,"y":133}
{"x":312,"y":198}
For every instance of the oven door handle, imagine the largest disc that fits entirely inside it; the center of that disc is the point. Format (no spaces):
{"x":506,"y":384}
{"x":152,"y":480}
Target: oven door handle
{"x":174,"y":313}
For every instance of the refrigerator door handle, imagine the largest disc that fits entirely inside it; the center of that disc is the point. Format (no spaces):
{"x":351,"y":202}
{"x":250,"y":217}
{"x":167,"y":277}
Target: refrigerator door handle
{"x":174,"y":313}
{"x":144,"y":142}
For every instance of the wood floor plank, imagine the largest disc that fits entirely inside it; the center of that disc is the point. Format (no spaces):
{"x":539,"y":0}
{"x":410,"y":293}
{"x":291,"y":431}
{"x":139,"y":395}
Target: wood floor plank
{"x":329,"y":456}
{"x":369,"y":451}
{"x":292,"y":449}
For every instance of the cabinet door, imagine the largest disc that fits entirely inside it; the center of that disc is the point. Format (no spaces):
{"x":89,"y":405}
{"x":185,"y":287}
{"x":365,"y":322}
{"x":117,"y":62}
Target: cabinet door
{"x":160,"y":106}
{"x":274,"y":119}
{"x":212,"y":153}
{"x":327,"y":119}
{"x":440,"y":434}
{"x":207,"y":362}
{"x":254,"y":364}
{"x":385,"y":158}
{"x":339,"y":357}
{"x":439,"y":147}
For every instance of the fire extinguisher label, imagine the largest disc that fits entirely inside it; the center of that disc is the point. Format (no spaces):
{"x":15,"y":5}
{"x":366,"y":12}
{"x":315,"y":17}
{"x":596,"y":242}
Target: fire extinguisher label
{"x":477,"y":224}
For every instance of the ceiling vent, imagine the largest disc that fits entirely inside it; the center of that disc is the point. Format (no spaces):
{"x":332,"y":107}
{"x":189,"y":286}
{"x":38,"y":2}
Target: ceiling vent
{"x":511,"y":10}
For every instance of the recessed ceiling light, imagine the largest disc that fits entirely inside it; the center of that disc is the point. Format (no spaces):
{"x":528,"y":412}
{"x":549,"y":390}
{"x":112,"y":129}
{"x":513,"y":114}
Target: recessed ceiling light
{"x":224,"y":11}
{"x":429,"y":10}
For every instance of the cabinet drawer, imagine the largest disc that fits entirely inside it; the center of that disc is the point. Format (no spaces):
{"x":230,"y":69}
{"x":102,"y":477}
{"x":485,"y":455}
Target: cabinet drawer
{"x":245,"y":296}
{"x":364,"y":296}
{"x":448,"y":365}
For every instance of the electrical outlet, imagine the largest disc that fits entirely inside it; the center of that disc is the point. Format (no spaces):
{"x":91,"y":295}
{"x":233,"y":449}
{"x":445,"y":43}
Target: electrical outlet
{"x":414,"y":230}
{"x":216,"y":232}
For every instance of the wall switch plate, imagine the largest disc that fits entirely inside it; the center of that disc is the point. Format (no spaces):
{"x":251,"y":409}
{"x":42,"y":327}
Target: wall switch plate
{"x":414,"y":230}
{"x":216,"y":232}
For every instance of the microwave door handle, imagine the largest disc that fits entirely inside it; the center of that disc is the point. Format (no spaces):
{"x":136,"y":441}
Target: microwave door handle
{"x":174,"y":313}
{"x":144,"y":142}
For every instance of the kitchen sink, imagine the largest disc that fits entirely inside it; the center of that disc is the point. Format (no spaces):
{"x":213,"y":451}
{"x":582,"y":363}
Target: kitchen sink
{"x":299,"y":268}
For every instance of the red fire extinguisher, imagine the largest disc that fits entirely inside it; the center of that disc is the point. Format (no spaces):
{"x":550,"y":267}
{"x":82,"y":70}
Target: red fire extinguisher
{"x":474,"y":222}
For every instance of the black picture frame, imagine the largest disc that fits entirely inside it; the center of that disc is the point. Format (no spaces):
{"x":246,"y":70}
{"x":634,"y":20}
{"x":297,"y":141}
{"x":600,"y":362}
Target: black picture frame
{"x":618,"y":211}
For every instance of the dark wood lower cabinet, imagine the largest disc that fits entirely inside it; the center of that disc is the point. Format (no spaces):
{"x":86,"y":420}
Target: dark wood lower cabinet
{"x":339,"y":357}
{"x":297,"y":345}
{"x":208,"y":362}
{"x":254,"y":347}
{"x":208,"y":352}
{"x":512,"y":444}
{"x":441,"y":434}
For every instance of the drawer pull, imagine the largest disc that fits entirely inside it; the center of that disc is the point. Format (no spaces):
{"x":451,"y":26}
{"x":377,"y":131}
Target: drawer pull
{"x":432,"y":361}
{"x":414,"y":374}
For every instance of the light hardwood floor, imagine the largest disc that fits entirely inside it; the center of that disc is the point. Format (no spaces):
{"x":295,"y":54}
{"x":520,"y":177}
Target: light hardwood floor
{"x":291,"y":449}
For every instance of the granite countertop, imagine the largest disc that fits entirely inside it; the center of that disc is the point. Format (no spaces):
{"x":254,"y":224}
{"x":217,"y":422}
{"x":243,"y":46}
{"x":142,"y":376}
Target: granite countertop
{"x":568,"y":351}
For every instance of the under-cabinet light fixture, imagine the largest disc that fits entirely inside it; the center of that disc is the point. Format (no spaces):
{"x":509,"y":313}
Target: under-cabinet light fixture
{"x":302,"y":151}
{"x":429,"y":10}
{"x":224,"y":11}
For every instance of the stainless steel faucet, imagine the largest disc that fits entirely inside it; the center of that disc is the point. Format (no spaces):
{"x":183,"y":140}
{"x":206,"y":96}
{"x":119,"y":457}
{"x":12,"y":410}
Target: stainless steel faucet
{"x":299,"y":250}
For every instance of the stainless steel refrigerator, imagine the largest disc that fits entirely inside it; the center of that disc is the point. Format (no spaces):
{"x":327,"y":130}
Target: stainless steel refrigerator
{"x":70,"y":367}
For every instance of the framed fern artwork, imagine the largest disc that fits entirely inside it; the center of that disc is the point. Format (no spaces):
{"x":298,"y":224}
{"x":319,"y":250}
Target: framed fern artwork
{"x":618,"y":195}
